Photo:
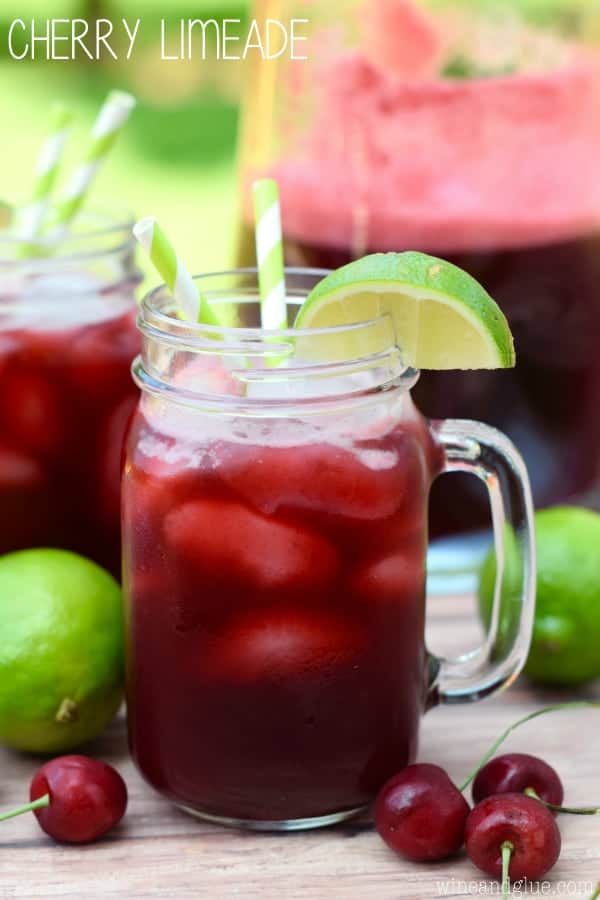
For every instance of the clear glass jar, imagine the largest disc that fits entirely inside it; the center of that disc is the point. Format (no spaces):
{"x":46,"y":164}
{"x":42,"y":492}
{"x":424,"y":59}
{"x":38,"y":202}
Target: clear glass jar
{"x":469,"y":129}
{"x":275,"y":532}
{"x":67,"y":340}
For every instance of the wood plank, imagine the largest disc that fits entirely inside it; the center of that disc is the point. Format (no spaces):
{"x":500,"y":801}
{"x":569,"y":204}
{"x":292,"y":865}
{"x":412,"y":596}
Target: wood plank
{"x":161,"y":852}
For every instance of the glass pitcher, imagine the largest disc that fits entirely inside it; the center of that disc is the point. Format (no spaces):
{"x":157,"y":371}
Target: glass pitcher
{"x":469,"y":129}
{"x":275,"y":532}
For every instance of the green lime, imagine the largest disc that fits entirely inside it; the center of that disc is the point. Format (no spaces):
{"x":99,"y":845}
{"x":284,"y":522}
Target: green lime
{"x":566,"y":637}
{"x":61,"y":653}
{"x":443,"y":318}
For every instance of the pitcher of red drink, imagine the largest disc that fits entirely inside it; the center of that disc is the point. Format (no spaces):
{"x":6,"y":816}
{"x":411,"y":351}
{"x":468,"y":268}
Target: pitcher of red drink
{"x":275,"y":531}
{"x":469,"y":129}
{"x":67,"y":339}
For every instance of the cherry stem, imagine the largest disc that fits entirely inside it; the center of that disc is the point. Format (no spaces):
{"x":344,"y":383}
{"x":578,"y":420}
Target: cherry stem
{"x":571,"y":810}
{"x":35,"y":804}
{"x":579,"y":704}
{"x":507,"y":849}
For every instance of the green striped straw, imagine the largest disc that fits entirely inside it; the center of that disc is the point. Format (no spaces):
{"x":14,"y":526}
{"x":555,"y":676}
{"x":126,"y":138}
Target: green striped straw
{"x":31,"y":217}
{"x":108,"y":125}
{"x":269,"y":254}
{"x":171,"y":269}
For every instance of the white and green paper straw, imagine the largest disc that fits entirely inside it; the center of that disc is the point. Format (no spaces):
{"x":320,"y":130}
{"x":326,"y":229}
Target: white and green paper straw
{"x":269,"y":254}
{"x":108,"y":125}
{"x":171,"y":269}
{"x":31,"y":217}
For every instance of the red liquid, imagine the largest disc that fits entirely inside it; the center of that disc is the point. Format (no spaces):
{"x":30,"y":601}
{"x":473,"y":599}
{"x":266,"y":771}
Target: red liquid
{"x":65,"y":399}
{"x":276,"y":661}
{"x":548,"y":404}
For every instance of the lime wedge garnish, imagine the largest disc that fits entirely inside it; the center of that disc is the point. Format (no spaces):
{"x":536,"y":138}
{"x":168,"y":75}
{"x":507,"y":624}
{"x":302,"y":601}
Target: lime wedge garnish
{"x":443,"y":318}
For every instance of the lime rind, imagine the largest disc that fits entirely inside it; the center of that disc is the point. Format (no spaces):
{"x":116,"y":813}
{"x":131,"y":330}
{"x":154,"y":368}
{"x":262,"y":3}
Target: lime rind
{"x":62,"y":650}
{"x":566,"y":634}
{"x":424,"y":279}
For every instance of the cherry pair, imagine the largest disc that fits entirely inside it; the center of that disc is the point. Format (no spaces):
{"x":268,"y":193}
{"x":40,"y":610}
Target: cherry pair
{"x":510,"y":833}
{"x":421,"y":814}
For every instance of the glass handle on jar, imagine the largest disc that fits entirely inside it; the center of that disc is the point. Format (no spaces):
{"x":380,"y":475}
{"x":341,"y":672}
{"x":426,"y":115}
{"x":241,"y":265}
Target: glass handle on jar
{"x":489,"y":455}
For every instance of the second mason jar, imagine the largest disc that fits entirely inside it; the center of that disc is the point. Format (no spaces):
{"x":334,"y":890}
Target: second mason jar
{"x":67,"y":339}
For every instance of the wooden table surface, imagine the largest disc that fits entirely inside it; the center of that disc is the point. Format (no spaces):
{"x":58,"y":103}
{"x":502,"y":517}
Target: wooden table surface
{"x":158,"y":851}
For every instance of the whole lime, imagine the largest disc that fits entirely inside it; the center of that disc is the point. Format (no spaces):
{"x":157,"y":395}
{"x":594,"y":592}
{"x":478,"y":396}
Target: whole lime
{"x":565,"y":649}
{"x":61,"y":653}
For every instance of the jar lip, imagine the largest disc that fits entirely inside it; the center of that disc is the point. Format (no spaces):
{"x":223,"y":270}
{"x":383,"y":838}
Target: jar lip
{"x":76,"y":246}
{"x":199,"y":331}
{"x":174,"y":325}
{"x":357,"y":360}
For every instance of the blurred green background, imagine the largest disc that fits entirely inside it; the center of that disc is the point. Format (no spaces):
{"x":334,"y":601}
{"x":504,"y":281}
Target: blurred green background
{"x":176,"y":158}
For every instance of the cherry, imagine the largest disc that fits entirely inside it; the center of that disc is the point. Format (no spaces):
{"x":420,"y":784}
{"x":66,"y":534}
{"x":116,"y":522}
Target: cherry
{"x":516,"y":773}
{"x":421,"y":814}
{"x":512,"y":835}
{"x":75,"y":799}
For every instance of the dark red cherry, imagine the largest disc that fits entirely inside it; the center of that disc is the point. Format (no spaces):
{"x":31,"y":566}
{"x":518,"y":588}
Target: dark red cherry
{"x":86,"y":798}
{"x":514,"y":773}
{"x":519,"y":821}
{"x":421,"y":814}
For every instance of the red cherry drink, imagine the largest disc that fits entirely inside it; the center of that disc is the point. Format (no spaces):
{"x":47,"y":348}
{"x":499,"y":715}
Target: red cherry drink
{"x":65,"y":398}
{"x":277,"y":668}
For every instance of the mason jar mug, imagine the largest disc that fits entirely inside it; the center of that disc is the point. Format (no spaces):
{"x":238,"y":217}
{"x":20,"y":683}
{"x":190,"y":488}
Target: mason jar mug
{"x":275,"y":501}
